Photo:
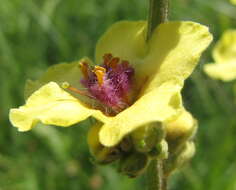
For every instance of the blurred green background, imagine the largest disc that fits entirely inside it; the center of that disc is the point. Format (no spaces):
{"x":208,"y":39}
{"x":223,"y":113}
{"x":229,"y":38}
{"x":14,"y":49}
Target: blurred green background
{"x":35,"y":34}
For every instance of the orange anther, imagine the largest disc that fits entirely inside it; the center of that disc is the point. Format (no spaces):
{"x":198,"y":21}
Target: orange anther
{"x":113,"y":63}
{"x":84,"y":69}
{"x":99,"y":72}
{"x":107,"y":57}
{"x":67,"y":86}
{"x":100,"y":68}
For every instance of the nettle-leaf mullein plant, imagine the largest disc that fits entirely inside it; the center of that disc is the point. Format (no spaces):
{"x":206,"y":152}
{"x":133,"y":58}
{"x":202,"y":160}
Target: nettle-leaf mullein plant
{"x":132,"y":90}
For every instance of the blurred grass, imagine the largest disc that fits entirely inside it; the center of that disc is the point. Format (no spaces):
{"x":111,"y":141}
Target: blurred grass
{"x":36,"y":34}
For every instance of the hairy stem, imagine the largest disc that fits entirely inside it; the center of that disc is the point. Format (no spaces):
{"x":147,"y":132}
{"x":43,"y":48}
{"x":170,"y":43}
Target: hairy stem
{"x":155,"y":177}
{"x":158,"y":13}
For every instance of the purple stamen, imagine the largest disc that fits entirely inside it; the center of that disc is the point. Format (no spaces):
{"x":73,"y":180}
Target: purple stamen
{"x":116,"y":84}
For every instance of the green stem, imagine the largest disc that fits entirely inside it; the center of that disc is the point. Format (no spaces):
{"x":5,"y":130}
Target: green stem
{"x":155,"y":177}
{"x":158,"y":13}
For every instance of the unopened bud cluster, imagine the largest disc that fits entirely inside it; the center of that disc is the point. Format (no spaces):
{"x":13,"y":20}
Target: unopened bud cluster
{"x":180,"y":135}
{"x":171,"y":142}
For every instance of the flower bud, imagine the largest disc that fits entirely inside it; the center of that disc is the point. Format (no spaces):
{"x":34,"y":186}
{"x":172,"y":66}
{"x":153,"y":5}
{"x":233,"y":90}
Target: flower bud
{"x":102,"y":155}
{"x":134,"y":164}
{"x":180,"y":130}
{"x":179,"y":158}
{"x":160,"y":151}
{"x":147,"y":137}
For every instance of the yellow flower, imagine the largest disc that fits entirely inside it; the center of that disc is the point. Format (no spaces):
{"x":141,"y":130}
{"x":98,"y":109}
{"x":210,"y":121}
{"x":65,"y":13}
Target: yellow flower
{"x":224,"y":55}
{"x":233,"y":2}
{"x":159,"y":68}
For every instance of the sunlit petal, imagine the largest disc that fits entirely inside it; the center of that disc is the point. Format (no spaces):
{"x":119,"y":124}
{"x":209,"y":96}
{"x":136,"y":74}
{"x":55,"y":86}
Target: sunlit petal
{"x":175,"y":49}
{"x":160,"y":104}
{"x":53,"y":106}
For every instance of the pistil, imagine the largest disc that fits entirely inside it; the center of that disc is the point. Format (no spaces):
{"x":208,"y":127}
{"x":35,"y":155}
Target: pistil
{"x":67,"y":86}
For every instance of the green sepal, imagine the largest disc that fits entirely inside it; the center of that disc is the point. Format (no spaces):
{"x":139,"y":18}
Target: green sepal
{"x":147,"y":137}
{"x":160,"y":151}
{"x":178,"y":159}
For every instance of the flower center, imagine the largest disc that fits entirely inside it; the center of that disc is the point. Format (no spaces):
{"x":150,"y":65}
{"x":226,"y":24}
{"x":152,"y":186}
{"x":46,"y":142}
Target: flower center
{"x":110,"y":83}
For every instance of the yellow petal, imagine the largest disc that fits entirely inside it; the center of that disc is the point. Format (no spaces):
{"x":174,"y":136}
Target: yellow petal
{"x":175,"y":48}
{"x":59,"y":73}
{"x":160,"y":104}
{"x":222,"y":71}
{"x":53,"y":106}
{"x":225,"y":49}
{"x":233,"y":2}
{"x":124,"y":39}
